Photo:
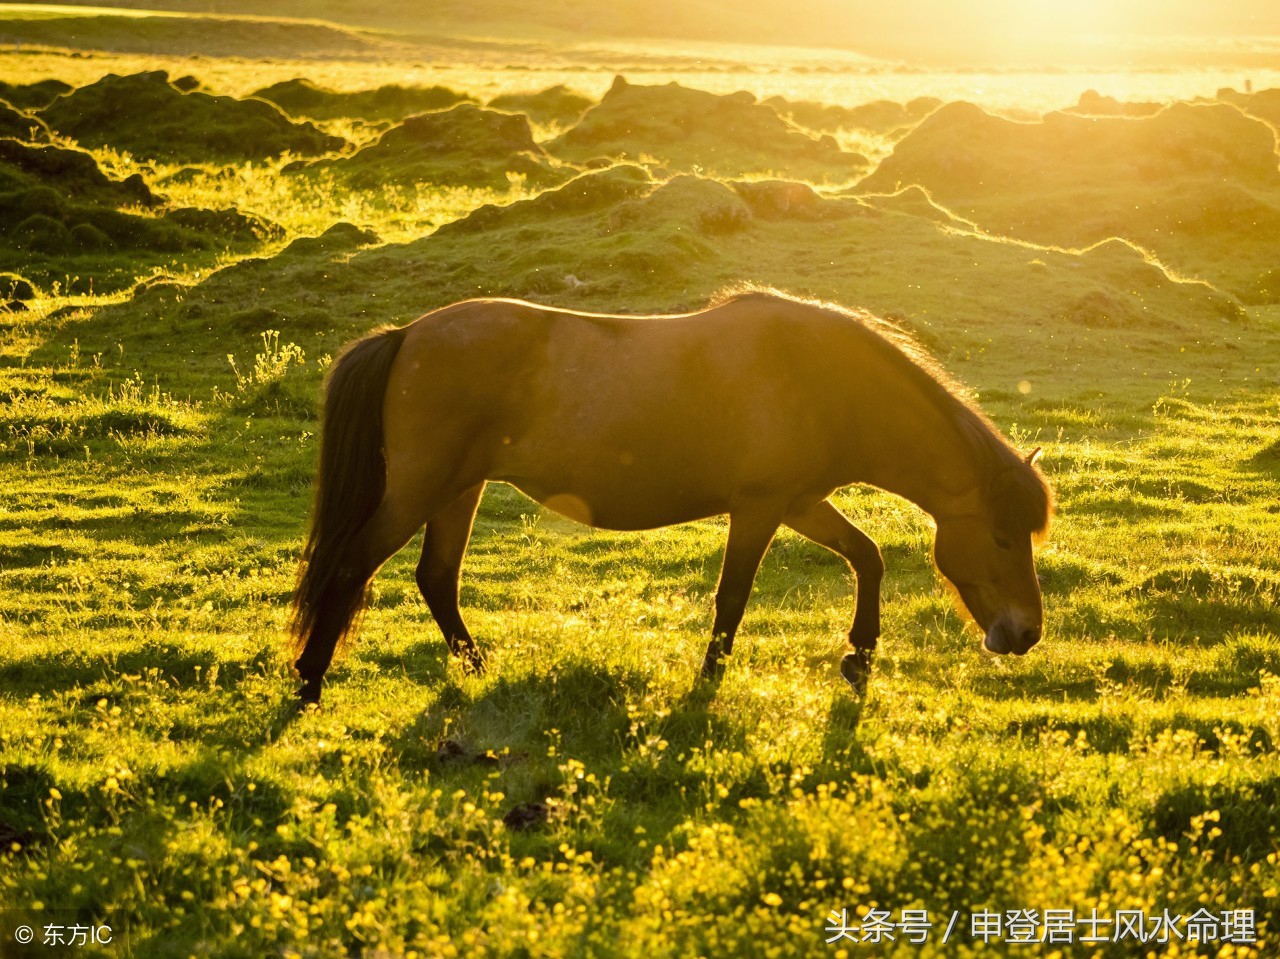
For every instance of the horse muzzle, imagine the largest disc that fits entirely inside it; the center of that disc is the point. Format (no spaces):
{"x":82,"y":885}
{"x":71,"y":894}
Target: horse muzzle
{"x":1005,"y":637}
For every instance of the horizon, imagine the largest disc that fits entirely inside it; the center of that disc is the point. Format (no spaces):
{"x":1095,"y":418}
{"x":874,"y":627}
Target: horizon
{"x":993,"y":33}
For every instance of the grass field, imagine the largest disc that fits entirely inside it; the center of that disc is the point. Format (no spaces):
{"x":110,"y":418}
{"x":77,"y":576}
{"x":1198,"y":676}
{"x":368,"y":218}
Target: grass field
{"x":158,"y":421}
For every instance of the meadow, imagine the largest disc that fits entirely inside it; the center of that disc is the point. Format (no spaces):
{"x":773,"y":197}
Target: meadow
{"x":1116,"y":303}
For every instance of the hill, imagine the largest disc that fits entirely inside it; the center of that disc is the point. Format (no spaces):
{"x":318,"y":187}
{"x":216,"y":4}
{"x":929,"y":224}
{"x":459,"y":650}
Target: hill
{"x":1197,"y":184}
{"x":139,"y":31}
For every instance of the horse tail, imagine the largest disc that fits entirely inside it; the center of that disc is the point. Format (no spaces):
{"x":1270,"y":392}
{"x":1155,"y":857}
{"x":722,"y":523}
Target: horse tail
{"x":350,"y":484}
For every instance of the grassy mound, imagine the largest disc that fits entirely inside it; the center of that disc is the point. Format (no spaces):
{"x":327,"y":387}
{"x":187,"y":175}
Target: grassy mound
{"x":556,"y":104}
{"x":464,"y":146}
{"x":110,"y":247}
{"x":339,"y":238}
{"x":1196,"y":184}
{"x":68,"y":173}
{"x":18,"y":125}
{"x":879,"y":116}
{"x":61,"y":215}
{"x":302,"y":98}
{"x":588,"y":193}
{"x":601,"y":237}
{"x":963,"y":152}
{"x":915,"y":201}
{"x":33,"y":96}
{"x":787,"y":199}
{"x":691,"y":130}
{"x":15,"y":288}
{"x":1094,"y":104}
{"x":145,"y":115}
{"x":229,"y":223}
{"x":683,"y":205}
{"x":159,"y":32}
{"x":1265,"y":104}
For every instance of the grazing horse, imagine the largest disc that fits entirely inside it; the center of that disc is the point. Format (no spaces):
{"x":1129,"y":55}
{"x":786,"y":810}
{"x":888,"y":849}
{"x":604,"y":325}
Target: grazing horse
{"x":760,"y":407}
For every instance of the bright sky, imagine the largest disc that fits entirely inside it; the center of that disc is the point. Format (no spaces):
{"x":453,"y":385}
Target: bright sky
{"x":1033,"y":30}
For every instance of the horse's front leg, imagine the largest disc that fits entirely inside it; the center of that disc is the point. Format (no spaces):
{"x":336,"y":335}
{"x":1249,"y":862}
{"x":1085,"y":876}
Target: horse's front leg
{"x":827,"y":526}
{"x":750,"y":534}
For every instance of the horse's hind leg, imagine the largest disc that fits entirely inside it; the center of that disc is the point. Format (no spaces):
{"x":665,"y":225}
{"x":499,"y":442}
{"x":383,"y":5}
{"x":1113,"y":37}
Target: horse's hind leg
{"x":827,"y":526}
{"x":443,"y":547}
{"x":391,"y":526}
{"x":749,"y":538}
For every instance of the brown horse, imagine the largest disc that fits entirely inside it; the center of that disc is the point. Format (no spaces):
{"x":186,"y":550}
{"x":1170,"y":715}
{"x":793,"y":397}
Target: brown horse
{"x":759,"y":407}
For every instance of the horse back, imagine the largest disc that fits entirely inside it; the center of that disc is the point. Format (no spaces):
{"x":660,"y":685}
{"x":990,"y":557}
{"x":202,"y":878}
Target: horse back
{"x":644,"y":418}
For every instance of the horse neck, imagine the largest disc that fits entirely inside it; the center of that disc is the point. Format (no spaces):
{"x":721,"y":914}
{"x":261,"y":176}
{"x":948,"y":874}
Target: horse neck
{"x":929,"y":458}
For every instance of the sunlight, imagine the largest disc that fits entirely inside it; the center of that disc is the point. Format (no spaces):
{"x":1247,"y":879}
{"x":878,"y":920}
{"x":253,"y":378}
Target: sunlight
{"x":1034,"y":31}
{"x":834,"y":265}
{"x":1052,"y":20}
{"x":1021,"y":32}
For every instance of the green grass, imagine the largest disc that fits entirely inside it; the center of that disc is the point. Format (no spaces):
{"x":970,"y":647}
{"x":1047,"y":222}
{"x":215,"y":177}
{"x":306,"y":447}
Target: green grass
{"x":153,"y":771}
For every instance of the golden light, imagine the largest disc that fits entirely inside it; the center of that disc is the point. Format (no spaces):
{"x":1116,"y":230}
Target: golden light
{"x":1021,"y":32}
{"x":1033,"y":31}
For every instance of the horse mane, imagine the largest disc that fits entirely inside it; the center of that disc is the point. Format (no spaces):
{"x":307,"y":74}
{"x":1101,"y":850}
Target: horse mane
{"x":1017,"y":491}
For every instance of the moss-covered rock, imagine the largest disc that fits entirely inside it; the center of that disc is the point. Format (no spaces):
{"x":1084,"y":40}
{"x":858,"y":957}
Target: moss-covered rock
{"x":155,"y":234}
{"x":1094,"y":104}
{"x":591,"y":192}
{"x":1265,"y":104}
{"x":339,"y":238}
{"x":145,"y":115}
{"x":60,"y":214}
{"x":878,"y":116}
{"x":71,"y":173}
{"x":88,"y":238}
{"x":33,"y":96}
{"x":302,"y":98}
{"x":17,"y":205}
{"x":787,"y":199}
{"x":41,"y":233}
{"x":556,"y":104}
{"x":229,"y":223}
{"x":695,"y":131}
{"x":684,"y":203}
{"x":463,"y":146}
{"x":15,"y":287}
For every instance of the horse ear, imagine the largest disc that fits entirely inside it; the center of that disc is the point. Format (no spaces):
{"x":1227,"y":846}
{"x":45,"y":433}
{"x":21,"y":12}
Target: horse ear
{"x":1034,"y":456}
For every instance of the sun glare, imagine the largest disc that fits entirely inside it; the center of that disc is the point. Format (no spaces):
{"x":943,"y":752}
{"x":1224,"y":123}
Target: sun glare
{"x":1024,"y":32}
{"x":1050,"y":19}
{"x":1046,"y":30}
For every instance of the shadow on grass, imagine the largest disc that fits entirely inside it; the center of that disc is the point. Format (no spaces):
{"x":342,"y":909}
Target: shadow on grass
{"x":1249,"y":816}
{"x":580,"y":703}
{"x":49,"y":672}
{"x":424,"y":663}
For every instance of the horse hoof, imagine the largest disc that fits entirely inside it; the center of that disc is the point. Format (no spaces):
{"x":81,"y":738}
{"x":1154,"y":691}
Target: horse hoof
{"x":855,"y":667}
{"x":309,"y":695}
{"x":712,"y":670}
{"x":473,"y":664}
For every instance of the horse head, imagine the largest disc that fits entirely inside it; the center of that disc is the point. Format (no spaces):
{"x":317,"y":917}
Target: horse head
{"x":987,"y":555}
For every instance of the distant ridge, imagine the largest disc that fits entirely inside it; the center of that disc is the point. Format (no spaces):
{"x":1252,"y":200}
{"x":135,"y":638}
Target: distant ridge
{"x":981,"y":32}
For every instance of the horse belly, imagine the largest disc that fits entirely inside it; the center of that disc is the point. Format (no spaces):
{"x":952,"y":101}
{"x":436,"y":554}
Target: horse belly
{"x":616,"y":486}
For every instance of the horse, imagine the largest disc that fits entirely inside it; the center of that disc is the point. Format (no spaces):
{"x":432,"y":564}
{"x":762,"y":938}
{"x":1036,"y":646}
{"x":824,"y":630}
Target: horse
{"x":760,"y":406}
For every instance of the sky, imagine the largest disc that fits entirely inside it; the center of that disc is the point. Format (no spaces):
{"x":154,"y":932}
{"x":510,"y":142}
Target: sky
{"x":1029,"y":30}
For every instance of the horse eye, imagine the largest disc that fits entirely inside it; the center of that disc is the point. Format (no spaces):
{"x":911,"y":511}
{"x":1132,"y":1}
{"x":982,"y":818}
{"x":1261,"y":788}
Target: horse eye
{"x":1002,"y":541}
